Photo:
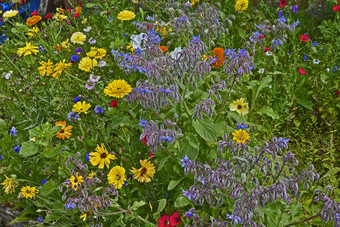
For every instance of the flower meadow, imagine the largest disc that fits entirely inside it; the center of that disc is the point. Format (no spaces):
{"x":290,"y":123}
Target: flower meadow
{"x":171,"y":113}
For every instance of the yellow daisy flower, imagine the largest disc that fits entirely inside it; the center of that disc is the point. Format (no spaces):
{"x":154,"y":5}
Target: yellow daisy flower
{"x":81,"y":107}
{"x":85,"y":215}
{"x":118,"y":89}
{"x":145,"y":173}
{"x":64,"y":132}
{"x":116,"y":177}
{"x":78,"y":37}
{"x":86,"y":64}
{"x":33,"y":31}
{"x":29,"y":192}
{"x":126,"y":15}
{"x":59,"y":68}
{"x":27,"y":50}
{"x":239,"y":106}
{"x":240,"y":136}
{"x":241,"y":5}
{"x":101,"y":157}
{"x":96,"y":53}
{"x":76,"y":180}
{"x":91,"y":175}
{"x":10,"y":13}
{"x":9,"y":185}
{"x":129,"y":47}
{"x":46,"y":68}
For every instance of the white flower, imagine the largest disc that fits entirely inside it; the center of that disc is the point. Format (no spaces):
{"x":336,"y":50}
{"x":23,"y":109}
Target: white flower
{"x":174,"y":53}
{"x":269,"y":53}
{"x":327,"y":69}
{"x":94,"y":78}
{"x":87,"y":29}
{"x":138,"y":40}
{"x":101,"y":63}
{"x":261,"y":70}
{"x":316,"y":61}
{"x":8,"y":75}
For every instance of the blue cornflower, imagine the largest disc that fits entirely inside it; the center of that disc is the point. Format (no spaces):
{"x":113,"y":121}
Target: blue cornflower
{"x":74,"y":58}
{"x":13,"y":131}
{"x":187,"y":194}
{"x":109,"y":19}
{"x":305,"y":57}
{"x":0,"y":157}
{"x":185,"y":161}
{"x":43,"y":182}
{"x":41,"y":49}
{"x":280,"y":13}
{"x":289,"y":53}
{"x":235,"y":218}
{"x":335,"y":68}
{"x":283,"y":140}
{"x":196,"y":39}
{"x":71,"y":115}
{"x":138,"y":51}
{"x":77,"y":99}
{"x":17,"y":149}
{"x":40,"y":219}
{"x":87,"y":157}
{"x":143,"y":123}
{"x":315,"y":43}
{"x":125,"y":183}
{"x":70,"y":205}
{"x":295,"y":9}
{"x":98,"y":110}
{"x":79,"y":49}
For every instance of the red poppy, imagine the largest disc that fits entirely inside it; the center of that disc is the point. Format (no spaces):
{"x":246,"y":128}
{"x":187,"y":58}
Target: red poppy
{"x":48,"y":16}
{"x":266,"y":49}
{"x":114,"y":103}
{"x":175,"y":219}
{"x":76,"y":15}
{"x":145,"y":141}
{"x":34,"y":13}
{"x":164,"y":221}
{"x":336,"y":8}
{"x":107,"y":12}
{"x":304,"y":37}
{"x":151,"y":155}
{"x":282,"y":3}
{"x":302,"y":71}
{"x":261,"y":36}
{"x":69,"y":10}
{"x":337,"y":92}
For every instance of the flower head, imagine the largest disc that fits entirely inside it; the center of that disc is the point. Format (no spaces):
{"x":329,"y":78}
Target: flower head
{"x":145,"y":173}
{"x":164,"y":221}
{"x":64,"y":132}
{"x":9,"y":185}
{"x":101,"y":157}
{"x":17,"y":149}
{"x":295,"y":9}
{"x":27,"y":50}
{"x":33,"y":20}
{"x":302,"y":71}
{"x":10,"y":13}
{"x":239,"y":106}
{"x":98,"y":110}
{"x":118,"y":88}
{"x":175,"y":219}
{"x":29,"y":192}
{"x":59,"y":68}
{"x":219,"y":53}
{"x":86,"y":64}
{"x":240,"y":136}
{"x":46,"y":68}
{"x":81,"y":107}
{"x":13,"y":131}
{"x":114,"y":103}
{"x":126,"y":15}
{"x":241,"y":5}
{"x":76,"y":181}
{"x":78,"y":37}
{"x":282,"y":3}
{"x":304,"y":37}
{"x":116,"y":176}
{"x":33,"y":31}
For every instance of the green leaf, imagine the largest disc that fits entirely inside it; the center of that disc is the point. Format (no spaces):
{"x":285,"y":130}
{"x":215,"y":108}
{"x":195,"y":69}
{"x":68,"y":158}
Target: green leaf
{"x":48,"y":188}
{"x":276,"y":61}
{"x":162,"y":163}
{"x":53,"y":152}
{"x":174,"y":183}
{"x":3,"y":126}
{"x":118,"y":121}
{"x":181,"y":201}
{"x":28,"y":149}
{"x":237,"y":117}
{"x":269,"y":112}
{"x":136,"y":205}
{"x":161,"y":206}
{"x":206,"y":129}
{"x":90,"y":5}
{"x":189,"y":146}
{"x":305,"y":102}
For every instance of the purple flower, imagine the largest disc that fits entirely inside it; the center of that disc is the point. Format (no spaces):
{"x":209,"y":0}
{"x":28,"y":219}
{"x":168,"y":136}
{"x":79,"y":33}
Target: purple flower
{"x":235,"y":218}
{"x":0,"y":157}
{"x":280,"y":13}
{"x":70,"y":205}
{"x":17,"y":149}
{"x":88,"y":86}
{"x":74,"y":58}
{"x":185,"y":161}
{"x":295,"y":9}
{"x":283,"y":140}
{"x":335,"y":68}
{"x":42,"y":49}
{"x":43,"y":182}
{"x":77,"y":99}
{"x":13,"y":131}
{"x":92,"y":41}
{"x":98,"y":110}
{"x":40,"y":219}
{"x":305,"y":57}
{"x":196,"y":39}
{"x":79,"y":49}
{"x":315,"y":43}
{"x":143,"y":122}
{"x":110,"y":18}
{"x":187,"y":194}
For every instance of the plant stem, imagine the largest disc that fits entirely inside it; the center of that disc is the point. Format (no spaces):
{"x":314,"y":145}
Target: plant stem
{"x":132,"y":214}
{"x":184,"y":102}
{"x":226,"y":99}
{"x":304,"y":220}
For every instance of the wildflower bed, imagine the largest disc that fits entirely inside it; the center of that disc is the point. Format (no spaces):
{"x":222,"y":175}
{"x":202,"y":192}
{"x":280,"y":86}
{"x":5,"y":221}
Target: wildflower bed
{"x":171,"y":113}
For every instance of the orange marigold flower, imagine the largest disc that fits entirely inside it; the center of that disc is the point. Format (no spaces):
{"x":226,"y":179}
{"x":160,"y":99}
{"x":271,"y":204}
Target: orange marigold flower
{"x":219,"y":53}
{"x":163,"y":48}
{"x":33,"y":20}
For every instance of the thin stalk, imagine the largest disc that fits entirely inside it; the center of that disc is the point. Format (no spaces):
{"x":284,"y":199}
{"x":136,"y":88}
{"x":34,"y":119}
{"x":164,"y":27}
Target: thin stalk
{"x":184,"y":102}
{"x":226,"y":99}
{"x":135,"y":216}
{"x":304,"y":220}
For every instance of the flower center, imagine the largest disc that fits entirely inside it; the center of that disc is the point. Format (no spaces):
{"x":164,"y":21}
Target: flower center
{"x":103,"y":155}
{"x":118,"y":177}
{"x":239,"y":107}
{"x":75,"y":180}
{"x":143,"y":171}
{"x":28,"y":191}
{"x":61,"y":131}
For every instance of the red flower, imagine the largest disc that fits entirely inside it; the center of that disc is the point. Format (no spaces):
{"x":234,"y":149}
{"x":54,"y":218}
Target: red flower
{"x":145,"y":141}
{"x":336,"y":8}
{"x":148,"y":26}
{"x":175,"y":219}
{"x":151,"y":155}
{"x":34,"y":13}
{"x":48,"y":16}
{"x":261,"y":36}
{"x":304,"y":37}
{"x":114,"y":103}
{"x":69,"y":10}
{"x":107,"y":12}
{"x":282,"y":3}
{"x":337,"y":92}
{"x":302,"y":71}
{"x":266,"y":49}
{"x":164,"y":221}
{"x":76,"y":15}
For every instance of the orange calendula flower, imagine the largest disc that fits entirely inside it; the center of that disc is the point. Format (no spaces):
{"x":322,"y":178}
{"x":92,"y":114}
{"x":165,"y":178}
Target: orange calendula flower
{"x":145,"y":173}
{"x":33,"y":20}
{"x":163,"y":48}
{"x":219,"y":53}
{"x":64,"y":132}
